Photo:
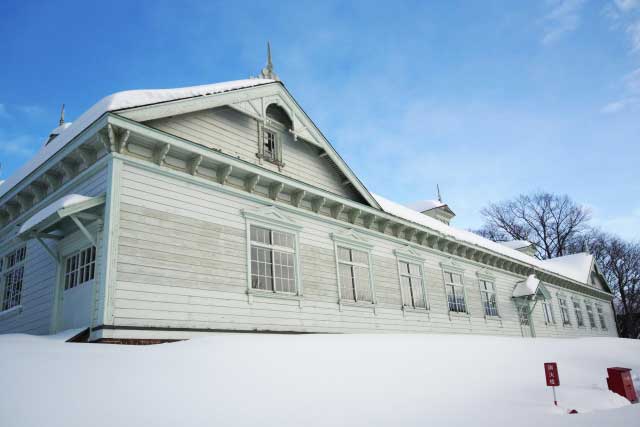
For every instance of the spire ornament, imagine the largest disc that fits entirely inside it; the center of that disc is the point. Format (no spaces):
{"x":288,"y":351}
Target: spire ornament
{"x":439,"y":196}
{"x":267,"y":72}
{"x":61,"y":122}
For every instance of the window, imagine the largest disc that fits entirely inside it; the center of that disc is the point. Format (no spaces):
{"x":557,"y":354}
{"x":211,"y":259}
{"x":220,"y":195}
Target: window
{"x":590,"y":315}
{"x":269,"y":146}
{"x":354,"y":275}
{"x":12,"y":276}
{"x":603,"y":324}
{"x":272,"y":260}
{"x":412,"y":285}
{"x":80,"y":268}
{"x":455,"y":292}
{"x":523,"y":313}
{"x":547,"y":311}
{"x":578,"y":310}
{"x":489,"y":298}
{"x":564,"y":311}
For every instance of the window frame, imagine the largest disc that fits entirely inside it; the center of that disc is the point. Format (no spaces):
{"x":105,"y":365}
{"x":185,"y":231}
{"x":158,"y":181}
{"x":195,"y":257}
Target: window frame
{"x":577,"y":311}
{"x":455,"y":269}
{"x":352,"y":240}
{"x":277,"y":131}
{"x":92,"y":265}
{"x":6,"y":269}
{"x":591,"y":316}
{"x":601,"y":318}
{"x":564,"y":306}
{"x":271,"y":218}
{"x":547,"y":313}
{"x":483,"y":277}
{"x":409,"y":256}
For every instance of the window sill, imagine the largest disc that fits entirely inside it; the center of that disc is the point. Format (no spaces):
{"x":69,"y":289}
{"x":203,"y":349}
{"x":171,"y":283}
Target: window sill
{"x":348,"y":303}
{"x":458,"y":315}
{"x":493,"y":318}
{"x":415,"y":310}
{"x":13,"y":311}
{"x":275,"y":295}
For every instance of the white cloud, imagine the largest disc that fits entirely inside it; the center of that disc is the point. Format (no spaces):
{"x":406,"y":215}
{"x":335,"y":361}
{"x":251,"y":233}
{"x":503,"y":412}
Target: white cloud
{"x":620,"y":105}
{"x":631,"y":100}
{"x":563,"y":18}
{"x":626,"y":5}
{"x":634,"y":32}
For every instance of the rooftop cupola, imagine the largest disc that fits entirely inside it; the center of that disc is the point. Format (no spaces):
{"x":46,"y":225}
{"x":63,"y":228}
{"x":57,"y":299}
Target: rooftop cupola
{"x":434,"y":208}
{"x":62,"y":125}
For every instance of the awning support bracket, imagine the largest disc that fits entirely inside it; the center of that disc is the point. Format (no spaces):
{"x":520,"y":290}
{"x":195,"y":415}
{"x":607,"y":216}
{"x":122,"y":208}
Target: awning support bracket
{"x":83,"y":229}
{"x":50,"y":251}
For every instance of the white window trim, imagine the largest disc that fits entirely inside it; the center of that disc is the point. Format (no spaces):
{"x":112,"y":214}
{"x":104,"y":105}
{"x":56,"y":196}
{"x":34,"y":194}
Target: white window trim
{"x":65,"y":272}
{"x":272,"y":218}
{"x":353,"y":240}
{"x":575,"y":312}
{"x":408,"y":255}
{"x":278,"y":130}
{"x":603,"y":325}
{"x":563,"y":297}
{"x":589,"y":304}
{"x":548,"y":304}
{"x":453,"y":267}
{"x":488,"y":278}
{"x":16,"y":309}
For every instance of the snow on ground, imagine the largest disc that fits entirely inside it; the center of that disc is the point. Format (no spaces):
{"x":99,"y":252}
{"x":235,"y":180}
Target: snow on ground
{"x":314,"y":380}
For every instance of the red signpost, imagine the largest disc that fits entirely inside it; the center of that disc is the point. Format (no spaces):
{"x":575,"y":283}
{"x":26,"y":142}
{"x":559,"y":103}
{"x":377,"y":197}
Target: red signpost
{"x":553,"y":379}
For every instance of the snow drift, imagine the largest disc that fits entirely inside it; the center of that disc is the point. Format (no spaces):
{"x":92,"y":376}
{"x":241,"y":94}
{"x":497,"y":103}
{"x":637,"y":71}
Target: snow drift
{"x":314,"y":380}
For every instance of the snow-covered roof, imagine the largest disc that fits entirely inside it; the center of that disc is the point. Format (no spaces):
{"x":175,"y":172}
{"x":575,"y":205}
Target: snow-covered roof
{"x":425,"y":205}
{"x":576,"y":266}
{"x":527,"y":287}
{"x":569,"y":268}
{"x":58,"y":130}
{"x":120,"y":101}
{"x":516,"y":244}
{"x":51,"y":209}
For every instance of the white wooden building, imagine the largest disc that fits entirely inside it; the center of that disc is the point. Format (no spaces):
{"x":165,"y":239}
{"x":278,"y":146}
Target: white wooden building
{"x":163,"y":214}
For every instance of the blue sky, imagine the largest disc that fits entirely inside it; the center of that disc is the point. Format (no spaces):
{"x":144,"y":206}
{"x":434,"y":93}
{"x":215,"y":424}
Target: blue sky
{"x":487,"y":99}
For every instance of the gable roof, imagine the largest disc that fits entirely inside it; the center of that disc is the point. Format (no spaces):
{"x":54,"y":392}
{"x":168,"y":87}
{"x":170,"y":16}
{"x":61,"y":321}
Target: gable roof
{"x":576,"y":266}
{"x":115,"y":102}
{"x":135,"y":100}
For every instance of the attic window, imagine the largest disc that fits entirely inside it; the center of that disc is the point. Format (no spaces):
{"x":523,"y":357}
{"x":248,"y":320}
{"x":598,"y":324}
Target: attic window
{"x":279,"y":115}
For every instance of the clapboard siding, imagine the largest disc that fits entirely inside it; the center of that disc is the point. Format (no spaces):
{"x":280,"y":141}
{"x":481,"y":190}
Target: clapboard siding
{"x":182,"y":264}
{"x":236,"y":134}
{"x":40,"y":271}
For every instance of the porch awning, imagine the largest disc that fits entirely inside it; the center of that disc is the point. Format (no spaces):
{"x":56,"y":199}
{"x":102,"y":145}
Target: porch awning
{"x":531,"y":287}
{"x":48,"y":217}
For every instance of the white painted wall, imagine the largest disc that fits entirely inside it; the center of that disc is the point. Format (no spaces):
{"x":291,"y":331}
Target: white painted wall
{"x":40,"y":270}
{"x":182,"y":264}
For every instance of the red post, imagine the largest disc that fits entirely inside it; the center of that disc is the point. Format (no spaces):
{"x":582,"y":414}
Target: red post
{"x":552,"y":377}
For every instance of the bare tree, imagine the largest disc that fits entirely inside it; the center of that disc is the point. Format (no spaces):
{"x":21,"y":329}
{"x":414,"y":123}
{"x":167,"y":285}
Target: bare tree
{"x":619,"y":262}
{"x":550,"y":222}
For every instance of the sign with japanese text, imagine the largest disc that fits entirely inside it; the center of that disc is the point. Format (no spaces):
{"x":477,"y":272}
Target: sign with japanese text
{"x":551,"y":373}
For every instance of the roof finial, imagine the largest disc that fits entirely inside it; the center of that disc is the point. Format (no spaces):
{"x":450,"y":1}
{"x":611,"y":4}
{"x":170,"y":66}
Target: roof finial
{"x":439,"y":196}
{"x":585,"y":247}
{"x":62,"y":116}
{"x":267,"y":72}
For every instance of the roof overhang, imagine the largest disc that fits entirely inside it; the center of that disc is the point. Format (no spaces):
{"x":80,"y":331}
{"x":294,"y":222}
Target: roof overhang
{"x":48,"y":219}
{"x":531,"y":288}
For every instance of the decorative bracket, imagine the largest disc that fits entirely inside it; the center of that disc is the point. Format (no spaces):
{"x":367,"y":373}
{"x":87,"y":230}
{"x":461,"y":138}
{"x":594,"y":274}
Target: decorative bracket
{"x":223,"y":172}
